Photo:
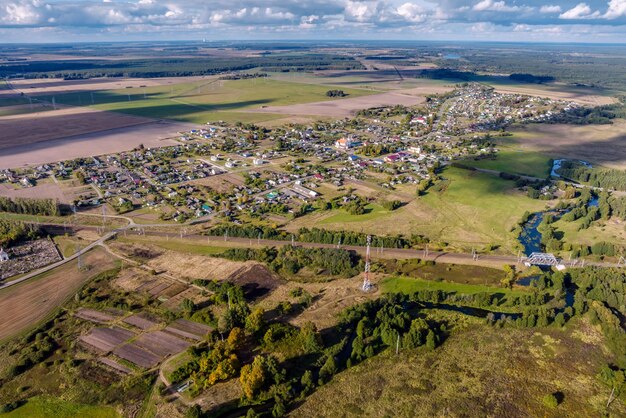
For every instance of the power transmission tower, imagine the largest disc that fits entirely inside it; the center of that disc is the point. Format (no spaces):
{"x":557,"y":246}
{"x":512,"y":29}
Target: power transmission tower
{"x":367,"y":285}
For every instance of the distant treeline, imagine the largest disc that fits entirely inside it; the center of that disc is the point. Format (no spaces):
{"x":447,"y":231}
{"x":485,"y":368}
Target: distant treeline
{"x":175,"y":67}
{"x":43,"y":207}
{"x":604,"y":178}
{"x":530,"y":78}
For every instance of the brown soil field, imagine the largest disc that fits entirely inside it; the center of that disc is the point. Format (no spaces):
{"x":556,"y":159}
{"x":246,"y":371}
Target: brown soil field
{"x":46,"y":86}
{"x":582,"y":96}
{"x":161,"y":343}
{"x":61,"y":123}
{"x":54,"y":141}
{"x":40,"y":191}
{"x":347,"y":107}
{"x":93,"y":315}
{"x":598,"y":144}
{"x":188,"y":329}
{"x":106,"y":339}
{"x":137,"y":355}
{"x":26,"y":304}
{"x":141,"y":321}
{"x":222,"y":183}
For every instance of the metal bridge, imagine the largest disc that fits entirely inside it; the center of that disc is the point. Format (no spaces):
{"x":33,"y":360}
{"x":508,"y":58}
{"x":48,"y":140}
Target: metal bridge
{"x":541,"y":259}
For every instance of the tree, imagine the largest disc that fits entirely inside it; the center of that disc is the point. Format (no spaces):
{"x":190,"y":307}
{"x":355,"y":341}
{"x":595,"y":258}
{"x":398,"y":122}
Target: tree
{"x":252,"y":377}
{"x":431,"y":341}
{"x":255,"y":321}
{"x":235,"y":338}
{"x":328,"y":369}
{"x":307,"y":382}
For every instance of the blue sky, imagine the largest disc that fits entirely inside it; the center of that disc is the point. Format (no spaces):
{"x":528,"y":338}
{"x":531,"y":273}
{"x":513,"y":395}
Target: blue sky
{"x":493,"y":20}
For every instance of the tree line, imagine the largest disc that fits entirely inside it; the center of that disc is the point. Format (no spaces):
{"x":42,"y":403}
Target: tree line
{"x":43,"y":207}
{"x":317,"y":235}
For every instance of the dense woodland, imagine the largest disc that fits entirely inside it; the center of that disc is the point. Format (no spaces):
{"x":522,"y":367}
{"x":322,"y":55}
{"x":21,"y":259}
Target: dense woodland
{"x":605,"y":178}
{"x":175,"y":67}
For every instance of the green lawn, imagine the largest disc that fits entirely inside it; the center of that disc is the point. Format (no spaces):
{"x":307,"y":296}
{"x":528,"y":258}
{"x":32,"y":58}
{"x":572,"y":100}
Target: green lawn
{"x":205,"y":100}
{"x":511,"y":159}
{"x":373,"y":211}
{"x":410,"y":285}
{"x":46,"y":407}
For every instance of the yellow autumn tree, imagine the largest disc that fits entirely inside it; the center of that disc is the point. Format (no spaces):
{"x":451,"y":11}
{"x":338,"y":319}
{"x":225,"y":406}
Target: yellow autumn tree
{"x":252,"y":377}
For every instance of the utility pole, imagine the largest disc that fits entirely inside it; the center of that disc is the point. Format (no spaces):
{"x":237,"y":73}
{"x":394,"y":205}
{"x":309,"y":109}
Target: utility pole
{"x":367,"y":285}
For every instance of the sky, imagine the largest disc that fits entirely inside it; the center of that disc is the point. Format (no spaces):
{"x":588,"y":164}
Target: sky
{"x":601,"y":21}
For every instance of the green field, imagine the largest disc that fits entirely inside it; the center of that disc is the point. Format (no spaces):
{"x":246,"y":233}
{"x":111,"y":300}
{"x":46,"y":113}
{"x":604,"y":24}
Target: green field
{"x":467,"y":210}
{"x":373,"y":211}
{"x":411,"y":285}
{"x":511,"y":159}
{"x":46,"y":407}
{"x":206,"y":100}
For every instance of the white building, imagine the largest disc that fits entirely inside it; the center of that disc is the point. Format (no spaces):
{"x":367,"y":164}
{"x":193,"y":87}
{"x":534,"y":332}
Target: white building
{"x":3,"y":256}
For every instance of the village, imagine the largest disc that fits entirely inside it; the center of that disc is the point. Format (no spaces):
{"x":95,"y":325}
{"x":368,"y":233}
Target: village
{"x":246,"y":169}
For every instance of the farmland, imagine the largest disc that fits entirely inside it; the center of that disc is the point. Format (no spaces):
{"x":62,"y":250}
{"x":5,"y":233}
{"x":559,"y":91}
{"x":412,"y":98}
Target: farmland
{"x":598,"y":144}
{"x":33,"y":301}
{"x":203,"y":101}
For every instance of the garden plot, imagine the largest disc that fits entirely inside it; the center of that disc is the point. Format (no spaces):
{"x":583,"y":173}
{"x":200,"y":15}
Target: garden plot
{"x":137,"y":355}
{"x":161,"y":343}
{"x":114,"y":365}
{"x":188,"y":329}
{"x":106,"y":339}
{"x":94,"y":316}
{"x":141,"y":321}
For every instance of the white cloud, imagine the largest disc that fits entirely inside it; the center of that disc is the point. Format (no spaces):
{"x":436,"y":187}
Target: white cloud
{"x":494,"y":6}
{"x":412,"y":12}
{"x":551,"y":9}
{"x":617,"y":8}
{"x":580,"y":11}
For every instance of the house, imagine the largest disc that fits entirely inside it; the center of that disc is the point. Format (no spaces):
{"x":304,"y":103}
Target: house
{"x":3,"y":256}
{"x":343,"y":143}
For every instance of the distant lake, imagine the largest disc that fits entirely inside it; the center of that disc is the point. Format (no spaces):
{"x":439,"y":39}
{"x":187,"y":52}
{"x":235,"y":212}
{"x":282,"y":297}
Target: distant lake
{"x":452,"y":56}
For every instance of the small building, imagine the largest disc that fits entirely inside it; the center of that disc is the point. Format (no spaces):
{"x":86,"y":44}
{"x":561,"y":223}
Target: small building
{"x":344,"y":143}
{"x":4,"y":256}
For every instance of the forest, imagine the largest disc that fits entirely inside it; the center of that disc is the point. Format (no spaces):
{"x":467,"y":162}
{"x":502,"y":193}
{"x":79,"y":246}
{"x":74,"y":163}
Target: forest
{"x":612,"y":179}
{"x":175,"y":67}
